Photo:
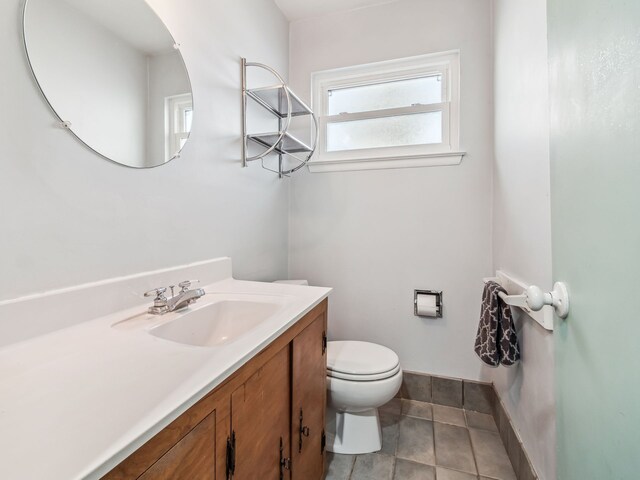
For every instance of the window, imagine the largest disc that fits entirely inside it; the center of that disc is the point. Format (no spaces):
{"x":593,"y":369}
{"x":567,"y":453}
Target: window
{"x":179,"y":117}
{"x":402,"y":113}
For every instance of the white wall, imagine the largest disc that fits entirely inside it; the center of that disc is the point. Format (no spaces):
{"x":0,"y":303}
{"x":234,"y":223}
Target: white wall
{"x":521,"y":218}
{"x":68,"y":216}
{"x":375,"y":236}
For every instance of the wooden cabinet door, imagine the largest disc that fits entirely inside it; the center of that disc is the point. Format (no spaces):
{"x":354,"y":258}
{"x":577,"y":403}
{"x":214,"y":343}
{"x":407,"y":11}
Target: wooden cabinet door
{"x":260,"y":420}
{"x":309,"y":401}
{"x":192,"y":458}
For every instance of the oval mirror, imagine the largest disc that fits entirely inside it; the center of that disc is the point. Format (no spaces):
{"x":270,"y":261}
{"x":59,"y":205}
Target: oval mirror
{"x":113,"y":75}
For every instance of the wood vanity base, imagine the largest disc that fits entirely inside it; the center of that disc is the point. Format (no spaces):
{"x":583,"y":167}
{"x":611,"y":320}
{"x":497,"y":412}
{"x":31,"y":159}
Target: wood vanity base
{"x":266,"y":421}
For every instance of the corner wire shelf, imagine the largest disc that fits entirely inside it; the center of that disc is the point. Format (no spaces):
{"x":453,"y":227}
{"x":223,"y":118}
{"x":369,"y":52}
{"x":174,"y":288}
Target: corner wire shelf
{"x":281,"y":102}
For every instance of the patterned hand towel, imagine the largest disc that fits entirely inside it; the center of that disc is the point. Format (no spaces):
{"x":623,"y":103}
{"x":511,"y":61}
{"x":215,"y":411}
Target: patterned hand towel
{"x":496,"y":340}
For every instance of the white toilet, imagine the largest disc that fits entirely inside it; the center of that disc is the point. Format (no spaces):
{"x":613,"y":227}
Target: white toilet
{"x":361,"y":377}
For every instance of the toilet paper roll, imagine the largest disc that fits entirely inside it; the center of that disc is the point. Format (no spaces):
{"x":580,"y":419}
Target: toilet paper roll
{"x":426,"y":305}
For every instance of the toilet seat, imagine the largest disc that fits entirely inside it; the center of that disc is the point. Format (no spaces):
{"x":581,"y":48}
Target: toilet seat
{"x":361,"y":361}
{"x":363,"y":378}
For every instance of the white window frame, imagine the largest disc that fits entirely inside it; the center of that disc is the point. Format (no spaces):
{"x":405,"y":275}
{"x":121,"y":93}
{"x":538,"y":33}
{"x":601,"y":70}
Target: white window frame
{"x":446,"y":64}
{"x":175,"y":132}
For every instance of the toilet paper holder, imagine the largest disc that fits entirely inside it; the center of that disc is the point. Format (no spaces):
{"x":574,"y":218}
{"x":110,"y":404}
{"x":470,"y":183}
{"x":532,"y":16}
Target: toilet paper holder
{"x":435,"y":300}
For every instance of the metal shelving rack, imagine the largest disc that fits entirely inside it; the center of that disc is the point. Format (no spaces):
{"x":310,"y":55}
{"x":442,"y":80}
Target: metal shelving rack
{"x":280,"y":101}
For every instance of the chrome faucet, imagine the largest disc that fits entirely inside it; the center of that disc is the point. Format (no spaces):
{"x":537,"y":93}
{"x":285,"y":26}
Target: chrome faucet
{"x":184,"y":298}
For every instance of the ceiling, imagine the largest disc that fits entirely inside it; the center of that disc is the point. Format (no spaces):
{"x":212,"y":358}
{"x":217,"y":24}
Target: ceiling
{"x":298,"y":9}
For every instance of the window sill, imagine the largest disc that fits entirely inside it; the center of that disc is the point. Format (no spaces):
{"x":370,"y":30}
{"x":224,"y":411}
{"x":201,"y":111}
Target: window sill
{"x":426,"y":160}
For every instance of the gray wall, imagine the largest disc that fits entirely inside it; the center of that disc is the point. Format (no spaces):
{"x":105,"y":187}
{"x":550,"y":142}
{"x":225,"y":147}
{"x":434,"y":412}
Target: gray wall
{"x":376,"y":235}
{"x":69,"y":217}
{"x":522,"y":215}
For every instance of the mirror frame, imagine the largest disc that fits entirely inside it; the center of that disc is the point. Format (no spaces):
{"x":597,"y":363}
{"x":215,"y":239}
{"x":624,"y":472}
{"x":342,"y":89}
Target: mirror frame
{"x":67,"y":125}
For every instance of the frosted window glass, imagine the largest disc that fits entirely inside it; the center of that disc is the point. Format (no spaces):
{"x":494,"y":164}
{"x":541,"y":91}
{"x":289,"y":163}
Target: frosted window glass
{"x":396,"y":94}
{"x":399,"y":131}
{"x":188,"y":119}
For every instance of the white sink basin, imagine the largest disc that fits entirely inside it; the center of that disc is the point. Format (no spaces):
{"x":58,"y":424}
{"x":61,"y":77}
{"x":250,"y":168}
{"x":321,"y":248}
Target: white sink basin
{"x":218,"y":323}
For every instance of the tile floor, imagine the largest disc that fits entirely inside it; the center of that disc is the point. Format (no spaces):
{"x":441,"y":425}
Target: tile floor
{"x":422,"y":441}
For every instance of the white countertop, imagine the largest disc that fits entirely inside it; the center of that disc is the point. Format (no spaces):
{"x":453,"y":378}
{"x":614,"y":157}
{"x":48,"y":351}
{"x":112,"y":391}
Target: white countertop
{"x":76,"y":402}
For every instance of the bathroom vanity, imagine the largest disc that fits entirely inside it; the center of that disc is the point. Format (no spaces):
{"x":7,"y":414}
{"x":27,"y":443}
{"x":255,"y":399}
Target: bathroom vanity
{"x":265,"y":421}
{"x":232,"y":387}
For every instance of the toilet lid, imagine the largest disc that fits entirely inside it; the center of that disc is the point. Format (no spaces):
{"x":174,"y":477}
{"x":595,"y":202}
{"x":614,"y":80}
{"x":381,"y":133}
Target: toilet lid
{"x":360,"y":358}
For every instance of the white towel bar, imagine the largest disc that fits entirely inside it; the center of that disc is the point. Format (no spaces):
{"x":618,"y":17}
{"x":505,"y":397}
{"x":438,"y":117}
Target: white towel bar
{"x":536,"y":303}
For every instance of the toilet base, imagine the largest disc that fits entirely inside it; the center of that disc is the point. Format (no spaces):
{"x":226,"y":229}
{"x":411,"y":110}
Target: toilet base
{"x":353,"y":433}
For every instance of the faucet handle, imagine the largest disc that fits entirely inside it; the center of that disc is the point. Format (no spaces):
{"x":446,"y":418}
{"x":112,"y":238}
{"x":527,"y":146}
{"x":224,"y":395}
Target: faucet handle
{"x":156,"y":292}
{"x":160,"y":302}
{"x":186,"y":284}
